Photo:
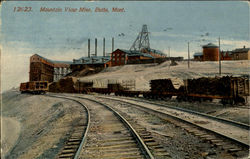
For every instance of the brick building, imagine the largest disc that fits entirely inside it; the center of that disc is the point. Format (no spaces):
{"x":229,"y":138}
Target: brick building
{"x":210,"y":52}
{"x":122,"y":57}
{"x":226,"y":55}
{"x":43,"y":69}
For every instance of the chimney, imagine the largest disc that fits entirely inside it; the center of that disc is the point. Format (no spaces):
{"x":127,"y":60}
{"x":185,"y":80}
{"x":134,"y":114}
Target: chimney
{"x":88,"y":47}
{"x":103,"y":47}
{"x":95,"y":46}
{"x":112,"y":44}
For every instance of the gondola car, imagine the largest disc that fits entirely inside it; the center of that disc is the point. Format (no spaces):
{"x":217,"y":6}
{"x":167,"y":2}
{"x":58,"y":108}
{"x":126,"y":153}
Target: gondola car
{"x":34,"y":87}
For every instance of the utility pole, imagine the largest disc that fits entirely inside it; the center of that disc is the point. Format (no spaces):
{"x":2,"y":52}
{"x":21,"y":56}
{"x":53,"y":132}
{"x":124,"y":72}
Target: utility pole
{"x":169,"y":51}
{"x":219,"y":58}
{"x":112,"y":44}
{"x":188,"y":56}
{"x":103,"y":47}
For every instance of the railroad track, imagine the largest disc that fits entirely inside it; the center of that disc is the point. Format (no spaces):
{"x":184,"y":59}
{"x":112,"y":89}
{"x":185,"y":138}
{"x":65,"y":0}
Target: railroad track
{"x":235,"y":123}
{"x":238,"y":134}
{"x":77,"y":139}
{"x":108,"y":135}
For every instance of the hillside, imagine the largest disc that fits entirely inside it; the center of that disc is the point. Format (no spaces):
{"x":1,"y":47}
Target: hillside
{"x":143,"y":73}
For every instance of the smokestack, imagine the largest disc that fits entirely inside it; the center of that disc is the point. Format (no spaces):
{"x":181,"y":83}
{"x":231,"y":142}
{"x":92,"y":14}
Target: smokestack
{"x":88,"y":47}
{"x":112,"y":44}
{"x":95,"y":46}
{"x":103,"y":47}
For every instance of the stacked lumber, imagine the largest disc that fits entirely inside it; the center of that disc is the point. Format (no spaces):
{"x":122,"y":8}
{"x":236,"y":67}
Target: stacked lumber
{"x":84,"y":84}
{"x":65,"y":85}
{"x":115,"y":87}
{"x":241,"y":85}
{"x":210,"y":86}
{"x":162,"y":85}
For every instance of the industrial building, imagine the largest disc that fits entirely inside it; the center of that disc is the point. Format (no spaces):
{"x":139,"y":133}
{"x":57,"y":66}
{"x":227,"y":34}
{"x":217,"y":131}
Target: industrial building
{"x":241,"y":53}
{"x":198,"y":56}
{"x":122,"y":57}
{"x":94,"y":61}
{"x":139,"y":52}
{"x":61,"y":68}
{"x":226,"y":55}
{"x":43,"y":69}
{"x":210,"y":52}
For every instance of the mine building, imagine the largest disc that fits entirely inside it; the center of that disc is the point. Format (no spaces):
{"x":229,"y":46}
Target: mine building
{"x":198,"y":56}
{"x":139,"y":53}
{"x":43,"y":69}
{"x":226,"y":55}
{"x":241,"y":53}
{"x":210,"y":52}
{"x":61,"y":68}
{"x":122,"y":57}
{"x":94,"y":61}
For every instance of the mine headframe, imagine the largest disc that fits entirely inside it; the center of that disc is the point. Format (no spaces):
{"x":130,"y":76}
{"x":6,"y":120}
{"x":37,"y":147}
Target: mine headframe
{"x":142,"y":41}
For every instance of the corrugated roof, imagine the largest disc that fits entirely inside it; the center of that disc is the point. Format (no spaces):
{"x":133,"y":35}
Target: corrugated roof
{"x":62,"y":62}
{"x":157,"y":52}
{"x":44,"y":58}
{"x":92,"y":60}
{"x":198,"y":54}
{"x":210,"y":45}
{"x":54,"y":61}
{"x":243,"y":50}
{"x":136,"y":53}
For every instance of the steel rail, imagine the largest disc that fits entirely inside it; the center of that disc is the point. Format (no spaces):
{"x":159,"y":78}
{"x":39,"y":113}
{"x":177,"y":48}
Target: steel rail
{"x":84,"y":138}
{"x":185,"y":121}
{"x":141,"y":143}
{"x":235,"y":123}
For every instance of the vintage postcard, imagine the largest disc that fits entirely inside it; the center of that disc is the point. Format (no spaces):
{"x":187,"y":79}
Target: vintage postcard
{"x":124,"y":79}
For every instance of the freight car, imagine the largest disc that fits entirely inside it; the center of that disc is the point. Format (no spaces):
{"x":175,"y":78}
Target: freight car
{"x":231,"y":90}
{"x":34,"y":87}
{"x":112,"y":88}
{"x":161,"y":89}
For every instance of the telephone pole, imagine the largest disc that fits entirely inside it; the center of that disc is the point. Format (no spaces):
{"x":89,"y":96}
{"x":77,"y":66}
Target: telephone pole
{"x":219,"y":58}
{"x":169,"y":51}
{"x":188,"y":56}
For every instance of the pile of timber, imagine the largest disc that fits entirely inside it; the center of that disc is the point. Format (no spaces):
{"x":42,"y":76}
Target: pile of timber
{"x":115,"y":87}
{"x":209,"y":86}
{"x":162,"y":85}
{"x":241,"y":85}
{"x":221,"y":86}
{"x":84,"y":87}
{"x":65,"y":85}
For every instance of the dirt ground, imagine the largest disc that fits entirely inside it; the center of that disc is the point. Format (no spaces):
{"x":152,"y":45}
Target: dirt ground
{"x":237,"y":113}
{"x":45,"y":123}
{"x":10,"y":127}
